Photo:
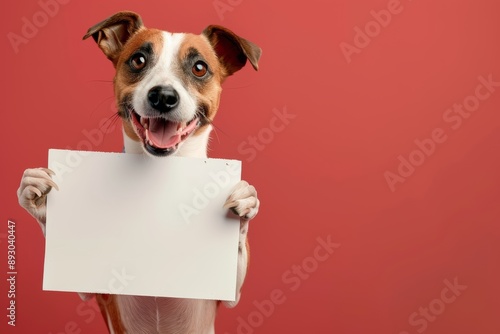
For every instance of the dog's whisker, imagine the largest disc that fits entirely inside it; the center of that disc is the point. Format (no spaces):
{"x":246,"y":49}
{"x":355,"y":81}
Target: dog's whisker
{"x":123,"y":105}
{"x":102,"y":81}
{"x":214,"y":126}
{"x":111,"y":121}
{"x":216,"y":134}
{"x":100,"y":104}
{"x":238,"y":87}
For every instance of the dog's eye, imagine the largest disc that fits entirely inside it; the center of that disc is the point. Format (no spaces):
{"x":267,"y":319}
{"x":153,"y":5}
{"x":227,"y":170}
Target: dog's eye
{"x":199,"y":69}
{"x":138,"y":61}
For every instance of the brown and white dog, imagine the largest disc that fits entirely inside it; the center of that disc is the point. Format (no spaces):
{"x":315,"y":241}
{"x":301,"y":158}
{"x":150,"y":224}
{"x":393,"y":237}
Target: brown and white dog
{"x":167,"y":88}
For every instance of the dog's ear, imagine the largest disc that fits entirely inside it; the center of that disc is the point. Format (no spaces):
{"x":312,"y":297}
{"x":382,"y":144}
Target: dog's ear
{"x":232,"y":50}
{"x":112,"y":33}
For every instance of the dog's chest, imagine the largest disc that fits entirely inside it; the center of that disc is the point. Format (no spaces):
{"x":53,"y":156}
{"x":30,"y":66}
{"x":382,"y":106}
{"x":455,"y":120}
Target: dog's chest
{"x":139,"y":314}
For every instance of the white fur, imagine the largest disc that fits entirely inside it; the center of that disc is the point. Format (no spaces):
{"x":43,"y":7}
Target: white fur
{"x":195,"y":146}
{"x":162,"y":74}
{"x":131,"y":146}
{"x":108,"y":320}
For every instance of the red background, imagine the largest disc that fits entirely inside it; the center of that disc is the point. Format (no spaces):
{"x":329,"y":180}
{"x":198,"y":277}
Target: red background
{"x":323,"y":175}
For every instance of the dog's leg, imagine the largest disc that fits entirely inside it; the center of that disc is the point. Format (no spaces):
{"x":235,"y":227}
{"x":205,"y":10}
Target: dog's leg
{"x":244,"y":202}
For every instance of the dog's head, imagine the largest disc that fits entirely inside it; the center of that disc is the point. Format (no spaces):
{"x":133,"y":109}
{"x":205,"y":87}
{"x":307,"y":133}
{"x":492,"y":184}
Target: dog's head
{"x":168,"y":85}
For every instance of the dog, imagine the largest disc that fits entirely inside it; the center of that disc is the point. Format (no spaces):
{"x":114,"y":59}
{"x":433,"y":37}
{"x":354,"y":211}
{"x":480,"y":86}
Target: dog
{"x":167,"y":88}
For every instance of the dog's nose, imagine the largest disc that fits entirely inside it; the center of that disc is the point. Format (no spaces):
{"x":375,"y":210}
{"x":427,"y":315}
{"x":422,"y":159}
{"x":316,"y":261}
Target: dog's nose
{"x":163,"y":98}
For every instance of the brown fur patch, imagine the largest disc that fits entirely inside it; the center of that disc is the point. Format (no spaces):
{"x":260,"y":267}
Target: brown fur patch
{"x":109,"y":308}
{"x":129,"y":130}
{"x":207,"y":93}
{"x":135,"y":42}
{"x":124,"y":85}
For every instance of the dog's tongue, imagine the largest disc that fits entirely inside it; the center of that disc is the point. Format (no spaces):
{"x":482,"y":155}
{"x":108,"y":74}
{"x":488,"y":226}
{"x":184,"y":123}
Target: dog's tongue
{"x":162,"y":133}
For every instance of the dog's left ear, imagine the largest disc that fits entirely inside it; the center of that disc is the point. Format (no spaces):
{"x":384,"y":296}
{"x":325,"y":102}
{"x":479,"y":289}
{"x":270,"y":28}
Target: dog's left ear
{"x":232,"y":50}
{"x":112,"y":33}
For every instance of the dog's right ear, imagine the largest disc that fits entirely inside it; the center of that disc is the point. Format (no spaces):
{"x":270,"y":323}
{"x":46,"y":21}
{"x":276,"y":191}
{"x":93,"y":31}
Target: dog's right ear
{"x":112,"y":33}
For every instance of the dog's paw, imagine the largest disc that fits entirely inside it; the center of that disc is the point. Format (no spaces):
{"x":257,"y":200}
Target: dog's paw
{"x":32,"y":193}
{"x":243,"y":201}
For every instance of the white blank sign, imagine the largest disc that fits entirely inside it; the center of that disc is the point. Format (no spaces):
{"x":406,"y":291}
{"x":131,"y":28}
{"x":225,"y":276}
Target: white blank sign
{"x":131,"y":224}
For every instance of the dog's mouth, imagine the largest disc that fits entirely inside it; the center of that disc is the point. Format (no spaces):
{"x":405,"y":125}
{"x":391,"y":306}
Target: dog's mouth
{"x":160,"y":136}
